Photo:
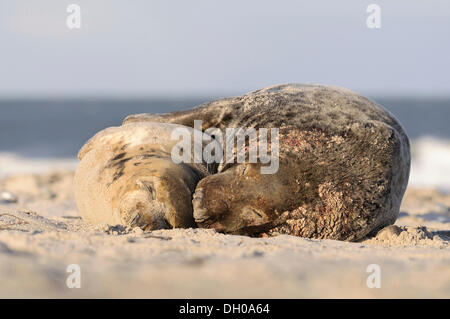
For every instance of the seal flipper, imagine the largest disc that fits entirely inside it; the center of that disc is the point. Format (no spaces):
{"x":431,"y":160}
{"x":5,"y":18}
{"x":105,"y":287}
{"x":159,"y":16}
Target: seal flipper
{"x":218,"y":114}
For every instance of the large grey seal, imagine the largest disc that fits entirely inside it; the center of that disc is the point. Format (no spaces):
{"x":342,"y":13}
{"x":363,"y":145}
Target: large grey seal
{"x":343,"y":168}
{"x":126,"y":176}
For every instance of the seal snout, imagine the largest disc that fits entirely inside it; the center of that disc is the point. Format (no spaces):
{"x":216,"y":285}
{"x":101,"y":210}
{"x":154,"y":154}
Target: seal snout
{"x":139,"y":208}
{"x":205,"y":215}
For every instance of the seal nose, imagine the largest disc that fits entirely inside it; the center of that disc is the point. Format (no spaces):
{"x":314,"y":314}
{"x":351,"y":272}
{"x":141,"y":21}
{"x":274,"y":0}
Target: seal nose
{"x":139,"y":209}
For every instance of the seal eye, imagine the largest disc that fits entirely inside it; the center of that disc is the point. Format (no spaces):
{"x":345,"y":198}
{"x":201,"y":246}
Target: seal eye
{"x":252,"y":216}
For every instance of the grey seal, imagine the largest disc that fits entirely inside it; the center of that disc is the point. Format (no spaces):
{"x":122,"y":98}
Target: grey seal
{"x":126,"y":176}
{"x":344,"y":164}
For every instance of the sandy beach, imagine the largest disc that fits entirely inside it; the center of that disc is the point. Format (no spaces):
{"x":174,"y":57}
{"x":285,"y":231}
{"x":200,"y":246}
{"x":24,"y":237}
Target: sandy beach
{"x":41,"y":234}
{"x":355,"y":98}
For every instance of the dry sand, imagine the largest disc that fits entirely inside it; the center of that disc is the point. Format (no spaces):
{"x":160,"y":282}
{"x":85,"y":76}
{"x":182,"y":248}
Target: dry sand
{"x":42,"y":233}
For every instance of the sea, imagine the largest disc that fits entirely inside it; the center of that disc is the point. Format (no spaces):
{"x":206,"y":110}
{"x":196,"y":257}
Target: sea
{"x":45,"y":134}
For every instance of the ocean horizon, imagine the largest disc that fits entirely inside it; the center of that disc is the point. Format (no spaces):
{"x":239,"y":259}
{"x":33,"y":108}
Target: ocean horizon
{"x":44,"y":134}
{"x":59,"y":127}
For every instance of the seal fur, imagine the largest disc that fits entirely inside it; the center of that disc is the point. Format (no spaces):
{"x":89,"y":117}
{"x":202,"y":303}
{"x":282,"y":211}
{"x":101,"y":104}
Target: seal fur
{"x":344,"y":164}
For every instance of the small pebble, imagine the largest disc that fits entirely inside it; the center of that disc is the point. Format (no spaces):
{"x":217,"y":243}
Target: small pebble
{"x":7,"y":198}
{"x":389,"y":232}
{"x":137,"y":231}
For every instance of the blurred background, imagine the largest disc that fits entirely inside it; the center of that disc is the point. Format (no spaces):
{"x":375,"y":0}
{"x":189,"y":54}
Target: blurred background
{"x":59,"y":86}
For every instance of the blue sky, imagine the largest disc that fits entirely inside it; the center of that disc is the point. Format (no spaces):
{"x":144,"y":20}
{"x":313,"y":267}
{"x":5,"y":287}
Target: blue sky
{"x":205,"y":47}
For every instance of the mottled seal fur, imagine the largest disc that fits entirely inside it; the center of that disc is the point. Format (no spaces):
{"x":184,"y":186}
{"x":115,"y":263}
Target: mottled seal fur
{"x":343,"y":170}
{"x":126,"y":176}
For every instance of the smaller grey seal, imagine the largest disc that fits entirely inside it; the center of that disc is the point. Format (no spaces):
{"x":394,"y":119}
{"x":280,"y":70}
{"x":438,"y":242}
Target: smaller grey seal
{"x":126,"y":176}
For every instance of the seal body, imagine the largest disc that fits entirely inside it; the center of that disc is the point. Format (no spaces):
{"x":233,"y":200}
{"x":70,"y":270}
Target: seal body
{"x":343,"y":164}
{"x":126,"y":175}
